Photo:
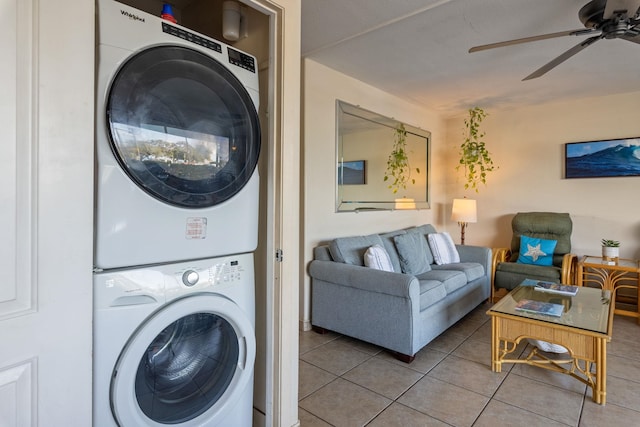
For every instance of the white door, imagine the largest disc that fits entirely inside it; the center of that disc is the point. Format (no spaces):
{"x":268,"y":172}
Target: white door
{"x":46,"y":170}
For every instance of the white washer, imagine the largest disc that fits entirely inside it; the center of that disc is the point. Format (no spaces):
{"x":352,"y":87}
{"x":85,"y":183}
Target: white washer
{"x":177,"y":143}
{"x":174,"y":344}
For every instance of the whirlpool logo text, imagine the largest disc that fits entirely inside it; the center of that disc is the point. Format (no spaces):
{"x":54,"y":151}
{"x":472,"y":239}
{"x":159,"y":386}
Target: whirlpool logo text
{"x":131,"y":15}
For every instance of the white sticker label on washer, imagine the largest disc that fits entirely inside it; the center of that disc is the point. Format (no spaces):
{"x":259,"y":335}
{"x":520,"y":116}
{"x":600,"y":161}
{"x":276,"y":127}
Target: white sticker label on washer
{"x":196,"y":228}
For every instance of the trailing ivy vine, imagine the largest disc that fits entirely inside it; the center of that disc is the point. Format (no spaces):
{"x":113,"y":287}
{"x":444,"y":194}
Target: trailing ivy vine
{"x":398,"y":169}
{"x":475,"y":159}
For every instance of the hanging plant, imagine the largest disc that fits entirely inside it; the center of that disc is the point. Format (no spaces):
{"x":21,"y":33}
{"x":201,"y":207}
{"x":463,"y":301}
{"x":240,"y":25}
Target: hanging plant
{"x":398,"y":169}
{"x":474,"y":156}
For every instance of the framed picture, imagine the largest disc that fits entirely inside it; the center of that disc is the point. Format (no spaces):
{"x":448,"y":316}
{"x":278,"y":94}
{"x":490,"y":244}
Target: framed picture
{"x":352,"y":173}
{"x":605,"y":158}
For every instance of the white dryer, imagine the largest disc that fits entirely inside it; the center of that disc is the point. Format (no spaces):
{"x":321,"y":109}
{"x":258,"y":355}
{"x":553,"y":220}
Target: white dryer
{"x":177,"y":142}
{"x":174,"y":344}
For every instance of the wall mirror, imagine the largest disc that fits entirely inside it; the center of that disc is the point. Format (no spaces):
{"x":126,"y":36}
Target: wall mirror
{"x":364,"y":142}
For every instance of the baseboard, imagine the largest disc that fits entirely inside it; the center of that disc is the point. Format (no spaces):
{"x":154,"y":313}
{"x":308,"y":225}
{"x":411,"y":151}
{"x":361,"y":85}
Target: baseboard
{"x":305,"y":325}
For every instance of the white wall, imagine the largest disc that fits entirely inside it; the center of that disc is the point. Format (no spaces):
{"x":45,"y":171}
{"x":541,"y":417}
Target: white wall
{"x":528,"y":146}
{"x":321,"y":87}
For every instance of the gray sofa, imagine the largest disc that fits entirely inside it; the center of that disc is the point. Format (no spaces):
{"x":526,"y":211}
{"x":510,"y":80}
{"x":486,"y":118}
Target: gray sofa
{"x":397,"y":311}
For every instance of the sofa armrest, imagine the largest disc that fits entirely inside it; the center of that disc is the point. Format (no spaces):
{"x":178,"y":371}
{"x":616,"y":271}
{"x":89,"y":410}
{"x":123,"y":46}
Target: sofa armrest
{"x":364,"y":278}
{"x":375,"y":306}
{"x":479,"y":254}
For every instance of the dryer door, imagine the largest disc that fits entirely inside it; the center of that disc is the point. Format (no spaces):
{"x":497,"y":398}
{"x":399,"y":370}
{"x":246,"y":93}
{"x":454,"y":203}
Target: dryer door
{"x":186,"y":366}
{"x":182,"y":126}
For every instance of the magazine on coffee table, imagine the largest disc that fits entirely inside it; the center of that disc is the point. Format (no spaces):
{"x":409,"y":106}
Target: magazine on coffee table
{"x":539,"y":307}
{"x":554,"y":288}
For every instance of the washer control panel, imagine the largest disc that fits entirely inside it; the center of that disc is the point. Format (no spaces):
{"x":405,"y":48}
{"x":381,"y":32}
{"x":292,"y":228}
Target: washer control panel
{"x":227,"y":272}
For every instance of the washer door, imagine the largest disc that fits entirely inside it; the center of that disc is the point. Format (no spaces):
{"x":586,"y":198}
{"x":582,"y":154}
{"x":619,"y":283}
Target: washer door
{"x":182,"y":126}
{"x":185,"y":366}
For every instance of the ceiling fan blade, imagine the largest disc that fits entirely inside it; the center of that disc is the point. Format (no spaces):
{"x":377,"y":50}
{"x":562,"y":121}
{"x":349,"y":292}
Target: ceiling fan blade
{"x":635,"y":39}
{"x":615,"y":6}
{"x":560,"y":59}
{"x":579,"y":32}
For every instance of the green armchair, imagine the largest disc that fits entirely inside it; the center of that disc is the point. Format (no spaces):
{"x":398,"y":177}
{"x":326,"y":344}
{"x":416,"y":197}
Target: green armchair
{"x":508,"y":273}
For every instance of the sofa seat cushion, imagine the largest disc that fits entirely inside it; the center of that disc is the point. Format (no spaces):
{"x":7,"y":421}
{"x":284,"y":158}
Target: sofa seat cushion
{"x":350,"y":250}
{"x":472,"y":270}
{"x":451,"y":279}
{"x":431,"y":291}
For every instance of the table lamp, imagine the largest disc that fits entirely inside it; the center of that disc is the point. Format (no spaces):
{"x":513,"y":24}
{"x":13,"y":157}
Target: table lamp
{"x":464,"y":211}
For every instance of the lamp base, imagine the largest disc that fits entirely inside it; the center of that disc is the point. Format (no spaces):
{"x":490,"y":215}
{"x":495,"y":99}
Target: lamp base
{"x":463,"y":227}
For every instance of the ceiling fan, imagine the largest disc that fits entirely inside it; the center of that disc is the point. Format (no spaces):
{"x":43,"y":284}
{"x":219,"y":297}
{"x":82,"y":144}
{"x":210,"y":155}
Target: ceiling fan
{"x":603,"y":19}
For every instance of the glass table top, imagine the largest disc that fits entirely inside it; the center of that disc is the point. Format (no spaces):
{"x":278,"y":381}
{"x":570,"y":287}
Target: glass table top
{"x":620,"y":262}
{"x":588,"y":309}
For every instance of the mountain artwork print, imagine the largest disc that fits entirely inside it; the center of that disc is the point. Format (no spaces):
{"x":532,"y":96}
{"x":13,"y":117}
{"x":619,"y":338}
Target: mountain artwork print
{"x":616,"y":157}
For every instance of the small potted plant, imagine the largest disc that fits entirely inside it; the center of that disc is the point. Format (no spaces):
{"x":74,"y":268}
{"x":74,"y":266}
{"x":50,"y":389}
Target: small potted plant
{"x":610,"y":249}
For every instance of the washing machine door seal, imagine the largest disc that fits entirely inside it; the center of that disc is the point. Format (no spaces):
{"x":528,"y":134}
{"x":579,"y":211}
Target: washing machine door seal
{"x":186,"y":365}
{"x":182,"y":126}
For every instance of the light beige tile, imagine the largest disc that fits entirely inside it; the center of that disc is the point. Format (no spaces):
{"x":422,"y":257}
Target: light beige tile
{"x":398,"y":415}
{"x":466,"y":327}
{"x":469,"y":375}
{"x":424,"y":361}
{"x":477,"y":351}
{"x":309,"y":420}
{"x":483,"y":333}
{"x":594,"y":415}
{"x":446,"y":342}
{"x":336,"y":357}
{"x":362,"y":346}
{"x":626,"y":329}
{"x":623,"y":367}
{"x":309,"y":340}
{"x":382,"y":377}
{"x":342,"y":403}
{"x":543,"y":399}
{"x":625,"y":347}
{"x":500,"y":414}
{"x":442,"y":401}
{"x":622,"y":392}
{"x":311,"y":378}
{"x":479,"y":314}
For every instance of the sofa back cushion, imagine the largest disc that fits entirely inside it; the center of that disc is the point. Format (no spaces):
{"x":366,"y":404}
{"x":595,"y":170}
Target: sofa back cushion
{"x":390,"y":246}
{"x":424,"y":230}
{"x":413,"y":251}
{"x":350,"y":250}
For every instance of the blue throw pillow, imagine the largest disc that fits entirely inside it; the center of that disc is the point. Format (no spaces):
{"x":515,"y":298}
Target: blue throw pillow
{"x":536,"y":251}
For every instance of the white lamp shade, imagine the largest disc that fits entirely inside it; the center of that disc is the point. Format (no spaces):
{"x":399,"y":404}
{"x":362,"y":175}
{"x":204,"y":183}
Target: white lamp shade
{"x":464,"y":210}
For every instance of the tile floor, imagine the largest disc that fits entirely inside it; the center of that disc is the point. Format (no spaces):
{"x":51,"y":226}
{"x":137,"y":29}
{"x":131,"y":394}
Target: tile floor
{"x":346,"y":382}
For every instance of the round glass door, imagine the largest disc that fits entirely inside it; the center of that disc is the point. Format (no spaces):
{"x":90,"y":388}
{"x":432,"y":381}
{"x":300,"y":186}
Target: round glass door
{"x":186,"y":368}
{"x":183,"y":127}
{"x":186,"y":365}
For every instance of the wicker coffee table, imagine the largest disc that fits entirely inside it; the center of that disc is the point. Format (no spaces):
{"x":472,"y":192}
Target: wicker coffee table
{"x":584,"y":329}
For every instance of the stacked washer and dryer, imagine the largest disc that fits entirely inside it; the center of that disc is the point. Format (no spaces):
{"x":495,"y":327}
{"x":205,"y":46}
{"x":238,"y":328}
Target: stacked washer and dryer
{"x":177,"y":145}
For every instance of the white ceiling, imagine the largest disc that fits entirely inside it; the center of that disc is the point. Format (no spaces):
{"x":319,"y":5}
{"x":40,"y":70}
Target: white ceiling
{"x":418,"y":50}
